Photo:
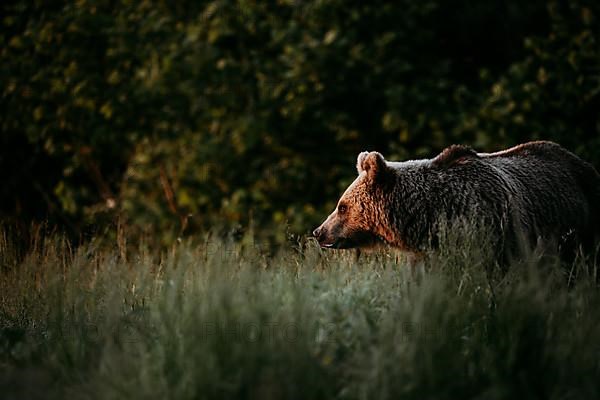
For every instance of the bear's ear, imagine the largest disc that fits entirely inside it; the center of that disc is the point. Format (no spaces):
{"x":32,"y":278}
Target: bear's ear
{"x":455,"y":154}
{"x":372,"y":163}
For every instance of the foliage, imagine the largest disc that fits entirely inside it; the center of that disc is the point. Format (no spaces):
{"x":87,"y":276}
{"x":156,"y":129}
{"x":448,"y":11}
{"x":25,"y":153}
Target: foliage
{"x":555,"y":91}
{"x":173,"y":117}
{"x":223,"y":319}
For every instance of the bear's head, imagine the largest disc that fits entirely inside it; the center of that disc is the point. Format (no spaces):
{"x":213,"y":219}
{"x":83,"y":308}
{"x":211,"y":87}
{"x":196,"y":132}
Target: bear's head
{"x":360,"y":218}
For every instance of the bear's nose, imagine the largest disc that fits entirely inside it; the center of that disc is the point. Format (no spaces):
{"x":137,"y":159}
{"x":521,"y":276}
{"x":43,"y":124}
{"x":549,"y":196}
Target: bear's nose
{"x":317,"y":232}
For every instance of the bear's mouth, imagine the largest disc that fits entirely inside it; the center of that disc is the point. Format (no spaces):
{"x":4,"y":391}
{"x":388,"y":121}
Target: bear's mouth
{"x":341,"y":243}
{"x":364,"y":239}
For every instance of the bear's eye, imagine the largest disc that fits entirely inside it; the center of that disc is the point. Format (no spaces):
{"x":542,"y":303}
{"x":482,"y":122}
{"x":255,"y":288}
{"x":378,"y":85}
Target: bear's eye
{"x":342,"y":208}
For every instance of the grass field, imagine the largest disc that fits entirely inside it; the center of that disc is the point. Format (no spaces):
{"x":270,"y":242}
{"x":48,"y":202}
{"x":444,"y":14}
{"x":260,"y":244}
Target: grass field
{"x":223,"y":319}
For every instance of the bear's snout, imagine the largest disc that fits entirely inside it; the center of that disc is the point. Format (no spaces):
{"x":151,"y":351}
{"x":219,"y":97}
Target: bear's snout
{"x":327,"y":238}
{"x":317,"y":233}
{"x":323,"y":237}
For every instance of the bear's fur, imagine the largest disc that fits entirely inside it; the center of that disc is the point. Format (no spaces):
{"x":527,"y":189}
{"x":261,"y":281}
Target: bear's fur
{"x":533,"y":192}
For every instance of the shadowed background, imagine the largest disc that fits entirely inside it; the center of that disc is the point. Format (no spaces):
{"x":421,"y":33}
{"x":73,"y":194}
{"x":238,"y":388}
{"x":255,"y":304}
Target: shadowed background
{"x":171,"y":119}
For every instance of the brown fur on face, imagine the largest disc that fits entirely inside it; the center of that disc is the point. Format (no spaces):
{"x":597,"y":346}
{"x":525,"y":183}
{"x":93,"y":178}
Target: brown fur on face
{"x":359,"y":218}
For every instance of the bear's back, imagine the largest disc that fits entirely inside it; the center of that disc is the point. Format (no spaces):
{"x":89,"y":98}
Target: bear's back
{"x":538,"y":189}
{"x":558,"y":190}
{"x":542,"y":165}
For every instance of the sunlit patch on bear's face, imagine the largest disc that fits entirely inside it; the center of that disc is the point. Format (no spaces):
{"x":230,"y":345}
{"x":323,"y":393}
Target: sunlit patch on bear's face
{"x":348,"y":225}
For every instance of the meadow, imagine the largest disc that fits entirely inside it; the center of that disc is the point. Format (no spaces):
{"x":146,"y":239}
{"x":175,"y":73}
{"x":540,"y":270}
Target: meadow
{"x":215,"y":317}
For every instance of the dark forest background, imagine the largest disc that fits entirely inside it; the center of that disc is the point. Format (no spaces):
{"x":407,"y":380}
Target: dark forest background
{"x":173,"y":117}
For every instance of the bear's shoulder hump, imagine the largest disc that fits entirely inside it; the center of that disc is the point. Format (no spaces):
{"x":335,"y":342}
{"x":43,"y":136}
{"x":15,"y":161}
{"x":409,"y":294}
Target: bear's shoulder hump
{"x":455,"y":154}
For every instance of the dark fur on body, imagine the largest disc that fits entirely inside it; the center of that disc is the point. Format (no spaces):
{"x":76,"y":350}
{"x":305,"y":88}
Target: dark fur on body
{"x":531,"y":192}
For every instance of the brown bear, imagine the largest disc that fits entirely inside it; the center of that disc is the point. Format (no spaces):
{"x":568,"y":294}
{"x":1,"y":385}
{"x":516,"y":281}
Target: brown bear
{"x":531,"y":192}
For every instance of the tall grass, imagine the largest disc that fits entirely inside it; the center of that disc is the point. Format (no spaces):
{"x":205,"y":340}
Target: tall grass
{"x":223,"y":319}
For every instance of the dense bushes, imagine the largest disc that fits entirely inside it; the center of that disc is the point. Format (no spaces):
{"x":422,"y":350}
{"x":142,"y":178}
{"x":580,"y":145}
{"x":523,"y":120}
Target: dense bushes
{"x":177,"y":117}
